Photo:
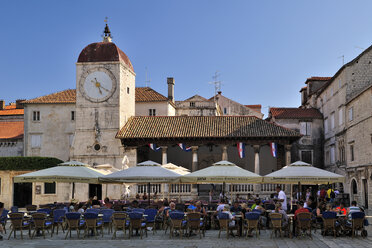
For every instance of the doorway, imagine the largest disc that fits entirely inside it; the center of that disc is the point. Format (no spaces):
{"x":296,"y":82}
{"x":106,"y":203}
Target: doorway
{"x":95,"y":190}
{"x":365,"y":187}
{"x":22,"y":194}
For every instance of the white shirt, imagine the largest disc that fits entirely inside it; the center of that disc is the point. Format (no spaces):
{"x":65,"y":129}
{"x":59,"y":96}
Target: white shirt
{"x":283,"y":197}
{"x":220,"y":207}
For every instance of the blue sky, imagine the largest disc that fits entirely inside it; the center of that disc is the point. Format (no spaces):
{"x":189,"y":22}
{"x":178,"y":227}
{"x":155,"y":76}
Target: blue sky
{"x":264,"y":50}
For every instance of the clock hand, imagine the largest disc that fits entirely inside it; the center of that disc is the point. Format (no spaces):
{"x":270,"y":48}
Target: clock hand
{"x":99,"y":89}
{"x":104,"y":88}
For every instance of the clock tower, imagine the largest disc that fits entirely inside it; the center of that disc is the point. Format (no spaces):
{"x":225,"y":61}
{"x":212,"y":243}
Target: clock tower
{"x":105,"y":99}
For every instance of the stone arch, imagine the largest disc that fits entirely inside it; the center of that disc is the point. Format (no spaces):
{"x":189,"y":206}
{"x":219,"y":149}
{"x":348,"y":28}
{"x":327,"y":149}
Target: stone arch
{"x":353,"y":188}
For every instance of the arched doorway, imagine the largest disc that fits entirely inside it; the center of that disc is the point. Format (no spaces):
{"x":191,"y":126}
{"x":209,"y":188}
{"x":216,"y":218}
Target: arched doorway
{"x":354,"y":189}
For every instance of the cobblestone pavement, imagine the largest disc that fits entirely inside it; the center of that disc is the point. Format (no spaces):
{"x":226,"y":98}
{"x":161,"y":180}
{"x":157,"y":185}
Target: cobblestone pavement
{"x":210,"y":240}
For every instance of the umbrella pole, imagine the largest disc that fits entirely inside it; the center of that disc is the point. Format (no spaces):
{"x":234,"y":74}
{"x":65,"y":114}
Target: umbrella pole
{"x":231,"y":193}
{"x":179,"y":192}
{"x":106,"y":189}
{"x":148,"y":189}
{"x":291,"y":197}
{"x":73,"y":190}
{"x":223,"y":190}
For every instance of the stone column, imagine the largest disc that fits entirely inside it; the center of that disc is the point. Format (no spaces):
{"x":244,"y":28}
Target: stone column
{"x":224,"y":153}
{"x":256,"y":149}
{"x":164,"y":157}
{"x":287,"y":154}
{"x":194,"y":150}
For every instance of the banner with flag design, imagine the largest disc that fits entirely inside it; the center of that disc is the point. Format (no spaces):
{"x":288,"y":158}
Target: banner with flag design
{"x":241,"y":149}
{"x":184,"y":147}
{"x":273,"y":149}
{"x":154,"y":147}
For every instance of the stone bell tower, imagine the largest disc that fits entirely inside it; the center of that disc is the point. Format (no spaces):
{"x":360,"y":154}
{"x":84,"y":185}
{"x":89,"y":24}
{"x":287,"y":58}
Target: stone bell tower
{"x":105,"y":99}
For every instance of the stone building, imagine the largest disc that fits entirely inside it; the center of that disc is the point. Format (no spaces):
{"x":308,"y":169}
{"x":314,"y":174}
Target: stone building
{"x":11,"y":129}
{"x":309,"y":123}
{"x":215,"y":106}
{"x":345,"y":102}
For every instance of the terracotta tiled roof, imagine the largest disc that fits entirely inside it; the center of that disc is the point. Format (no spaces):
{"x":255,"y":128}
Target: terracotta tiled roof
{"x":11,"y":130}
{"x":146,"y":94}
{"x":235,"y":127}
{"x":66,"y":96}
{"x":11,"y":110}
{"x":103,"y":51}
{"x":143,"y":94}
{"x":295,"y":113}
{"x":318,"y":79}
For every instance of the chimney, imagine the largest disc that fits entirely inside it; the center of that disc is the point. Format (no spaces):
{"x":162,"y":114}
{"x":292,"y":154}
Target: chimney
{"x":19,"y":104}
{"x":170,"y":82}
{"x":2,"y":104}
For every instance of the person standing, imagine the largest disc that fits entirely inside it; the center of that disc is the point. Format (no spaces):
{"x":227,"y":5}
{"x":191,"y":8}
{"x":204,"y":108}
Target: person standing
{"x":282,"y":198}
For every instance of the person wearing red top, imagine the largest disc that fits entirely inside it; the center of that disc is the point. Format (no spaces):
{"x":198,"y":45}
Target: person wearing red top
{"x":341,"y":209}
{"x":300,"y":209}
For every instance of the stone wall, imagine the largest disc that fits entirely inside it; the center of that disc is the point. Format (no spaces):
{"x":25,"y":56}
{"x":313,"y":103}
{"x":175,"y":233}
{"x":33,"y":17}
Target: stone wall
{"x":6,"y":186}
{"x":11,"y":148}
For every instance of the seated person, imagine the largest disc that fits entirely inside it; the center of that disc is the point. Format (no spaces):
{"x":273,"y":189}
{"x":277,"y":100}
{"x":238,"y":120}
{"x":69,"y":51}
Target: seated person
{"x":300,"y":209}
{"x":95,"y":202}
{"x":221,"y":206}
{"x":192,"y":206}
{"x":259,"y":206}
{"x":133,"y":205}
{"x":200,"y":209}
{"x":172,"y":208}
{"x":107,"y":203}
{"x":352,"y":209}
{"x":278,"y":209}
{"x":144,"y":197}
{"x":236,"y":208}
{"x":226,"y":210}
{"x":341,"y":209}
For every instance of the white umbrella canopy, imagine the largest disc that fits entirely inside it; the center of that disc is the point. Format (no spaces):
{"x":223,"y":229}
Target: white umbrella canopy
{"x":145,"y":172}
{"x":222,"y":172}
{"x":177,"y":169}
{"x":68,"y":174}
{"x":74,"y":163}
{"x":301,"y":172}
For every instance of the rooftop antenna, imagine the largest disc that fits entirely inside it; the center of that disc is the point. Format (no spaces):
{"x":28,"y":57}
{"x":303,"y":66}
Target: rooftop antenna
{"x":343,"y":59}
{"x":147,"y":80}
{"x":217,"y":84}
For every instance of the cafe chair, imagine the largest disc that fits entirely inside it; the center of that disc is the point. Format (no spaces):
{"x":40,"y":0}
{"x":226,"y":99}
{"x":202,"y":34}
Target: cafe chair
{"x":58,"y":220}
{"x":92,"y":222}
{"x":18,"y":224}
{"x":41,"y":223}
{"x":74,"y":223}
{"x":136,"y":222}
{"x":303,"y":224}
{"x":329,"y":222}
{"x":195,"y":222}
{"x":119,"y":221}
{"x":252,"y":222}
{"x":177,"y":222}
{"x":276,"y":222}
{"x":224,"y":221}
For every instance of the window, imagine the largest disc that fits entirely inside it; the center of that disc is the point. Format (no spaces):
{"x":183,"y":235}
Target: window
{"x":192,"y":104}
{"x":307,"y":157}
{"x":339,"y":83}
{"x":332,"y":154}
{"x":152,"y":112}
{"x":71,"y":139}
{"x":305,"y":128}
{"x":327,"y":157}
{"x":351,"y":152}
{"x":340,"y":117}
{"x":36,"y":116}
{"x":326,"y":125}
{"x":224,"y":111}
{"x":127,"y":90}
{"x":354,"y":187}
{"x":331,"y":91}
{"x":351,"y":114}
{"x":50,"y":188}
{"x":341,"y":151}
{"x":72,"y":115}
{"x":332,"y":120}
{"x":36,"y":141}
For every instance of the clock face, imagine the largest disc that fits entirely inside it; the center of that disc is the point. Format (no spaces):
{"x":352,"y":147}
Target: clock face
{"x":98,"y":86}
